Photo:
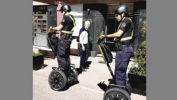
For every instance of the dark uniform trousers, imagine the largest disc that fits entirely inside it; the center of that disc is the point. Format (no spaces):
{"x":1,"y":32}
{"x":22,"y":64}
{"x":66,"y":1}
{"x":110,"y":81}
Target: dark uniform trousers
{"x":63,"y":53}
{"x":121,"y":63}
{"x":83,"y":56}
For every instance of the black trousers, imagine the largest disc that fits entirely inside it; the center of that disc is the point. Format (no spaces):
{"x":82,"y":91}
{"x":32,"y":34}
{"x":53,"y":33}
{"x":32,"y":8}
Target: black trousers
{"x":63,"y":54}
{"x":83,"y":56}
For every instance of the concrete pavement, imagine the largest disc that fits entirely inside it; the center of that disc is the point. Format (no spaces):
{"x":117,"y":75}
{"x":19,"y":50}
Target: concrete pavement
{"x":86,"y":89}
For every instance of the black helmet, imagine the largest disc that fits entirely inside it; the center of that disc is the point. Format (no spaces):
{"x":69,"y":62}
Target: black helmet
{"x":65,"y":8}
{"x":121,"y":9}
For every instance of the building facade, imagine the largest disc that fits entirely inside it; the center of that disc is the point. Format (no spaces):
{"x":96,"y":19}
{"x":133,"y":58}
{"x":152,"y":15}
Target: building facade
{"x":101,"y":15}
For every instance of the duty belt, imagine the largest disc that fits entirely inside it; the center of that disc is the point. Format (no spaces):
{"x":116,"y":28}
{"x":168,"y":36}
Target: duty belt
{"x":66,"y":36}
{"x":120,"y":47}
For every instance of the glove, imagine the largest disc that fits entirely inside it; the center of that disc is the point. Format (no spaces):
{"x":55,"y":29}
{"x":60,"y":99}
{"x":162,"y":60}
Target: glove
{"x":101,"y":39}
{"x":50,"y":29}
{"x":102,"y":36}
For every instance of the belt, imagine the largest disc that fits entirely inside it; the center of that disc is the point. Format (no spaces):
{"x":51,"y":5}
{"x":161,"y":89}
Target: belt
{"x":66,"y":36}
{"x":120,"y":47}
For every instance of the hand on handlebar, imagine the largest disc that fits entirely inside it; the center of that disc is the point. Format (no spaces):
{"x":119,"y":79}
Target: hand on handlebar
{"x":50,"y":29}
{"x":102,"y":37}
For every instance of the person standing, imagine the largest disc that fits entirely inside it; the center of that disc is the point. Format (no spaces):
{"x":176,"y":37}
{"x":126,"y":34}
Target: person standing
{"x":124,"y":37}
{"x":84,"y":44}
{"x":66,"y":29}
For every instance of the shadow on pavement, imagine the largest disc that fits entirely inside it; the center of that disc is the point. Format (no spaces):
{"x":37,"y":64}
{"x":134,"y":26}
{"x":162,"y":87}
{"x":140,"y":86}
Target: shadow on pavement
{"x":79,"y":72}
{"x":69,"y":85}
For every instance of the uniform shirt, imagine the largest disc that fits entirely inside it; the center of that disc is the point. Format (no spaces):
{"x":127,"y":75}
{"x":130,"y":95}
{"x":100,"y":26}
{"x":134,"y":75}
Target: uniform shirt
{"x":126,"y":26}
{"x":67,"y":23}
{"x":83,"y":37}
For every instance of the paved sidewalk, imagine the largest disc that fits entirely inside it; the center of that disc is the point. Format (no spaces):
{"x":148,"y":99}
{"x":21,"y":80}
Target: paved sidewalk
{"x":86,"y":89}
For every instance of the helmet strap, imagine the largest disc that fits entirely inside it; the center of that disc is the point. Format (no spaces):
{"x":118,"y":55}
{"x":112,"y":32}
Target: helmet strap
{"x":64,"y":12}
{"x":121,"y":16}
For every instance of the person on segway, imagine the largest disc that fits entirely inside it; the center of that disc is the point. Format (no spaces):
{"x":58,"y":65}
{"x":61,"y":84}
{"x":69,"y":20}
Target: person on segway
{"x":66,"y":73}
{"x":66,"y":28}
{"x":123,"y":39}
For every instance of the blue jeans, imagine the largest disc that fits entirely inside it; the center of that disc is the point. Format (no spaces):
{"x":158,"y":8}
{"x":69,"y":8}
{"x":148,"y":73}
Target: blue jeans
{"x":121,"y":64}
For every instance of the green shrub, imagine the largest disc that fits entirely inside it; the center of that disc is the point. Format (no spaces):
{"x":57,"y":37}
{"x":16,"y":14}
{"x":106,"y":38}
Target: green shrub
{"x":140,"y":54}
{"x":36,"y":54}
{"x":140,"y":61}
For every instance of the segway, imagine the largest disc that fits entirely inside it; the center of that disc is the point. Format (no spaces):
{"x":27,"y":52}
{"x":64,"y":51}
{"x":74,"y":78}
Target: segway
{"x":112,"y":91}
{"x":58,"y":78}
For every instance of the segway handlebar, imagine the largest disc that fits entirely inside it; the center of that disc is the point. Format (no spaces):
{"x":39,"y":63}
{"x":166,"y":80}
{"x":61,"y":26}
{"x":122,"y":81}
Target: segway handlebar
{"x":100,"y":39}
{"x":50,"y":30}
{"x":99,"y":42}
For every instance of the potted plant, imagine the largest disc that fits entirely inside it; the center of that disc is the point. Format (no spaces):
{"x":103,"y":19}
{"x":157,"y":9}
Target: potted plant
{"x":137,"y":75}
{"x":38,"y":61}
{"x":137,"y":72}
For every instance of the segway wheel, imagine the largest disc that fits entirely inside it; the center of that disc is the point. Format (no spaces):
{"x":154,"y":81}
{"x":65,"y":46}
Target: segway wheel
{"x":116,"y":94}
{"x":57,"y":80}
{"x":129,"y":88}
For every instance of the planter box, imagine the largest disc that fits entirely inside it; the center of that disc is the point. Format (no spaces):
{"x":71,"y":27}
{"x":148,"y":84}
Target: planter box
{"x":47,"y":54}
{"x":75,"y":52}
{"x":38,"y":62}
{"x":138,"y":83}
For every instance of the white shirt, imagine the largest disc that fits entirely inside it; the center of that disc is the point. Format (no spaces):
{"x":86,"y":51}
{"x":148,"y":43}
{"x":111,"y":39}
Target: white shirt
{"x":83,"y":37}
